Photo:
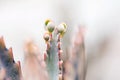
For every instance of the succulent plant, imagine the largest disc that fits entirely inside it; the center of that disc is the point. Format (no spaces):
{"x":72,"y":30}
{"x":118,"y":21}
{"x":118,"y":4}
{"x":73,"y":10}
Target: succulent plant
{"x":52,"y":55}
{"x":9,"y":69}
{"x":47,"y":66}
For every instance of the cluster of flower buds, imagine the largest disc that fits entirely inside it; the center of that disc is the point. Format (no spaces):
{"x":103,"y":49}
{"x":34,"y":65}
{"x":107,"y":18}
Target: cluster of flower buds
{"x":9,"y":69}
{"x":53,"y":53}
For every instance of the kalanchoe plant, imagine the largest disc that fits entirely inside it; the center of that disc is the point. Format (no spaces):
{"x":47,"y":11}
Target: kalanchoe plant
{"x":51,"y":67}
{"x":9,"y":68}
{"x":52,"y":55}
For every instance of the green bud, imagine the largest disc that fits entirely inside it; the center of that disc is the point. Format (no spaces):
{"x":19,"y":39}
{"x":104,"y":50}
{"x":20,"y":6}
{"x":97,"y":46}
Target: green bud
{"x":62,"y":28}
{"x":50,"y":27}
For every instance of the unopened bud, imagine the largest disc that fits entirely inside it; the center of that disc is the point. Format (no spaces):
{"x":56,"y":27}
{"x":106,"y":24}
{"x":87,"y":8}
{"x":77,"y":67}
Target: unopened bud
{"x":46,"y":37}
{"x":62,"y":28}
{"x":50,"y":27}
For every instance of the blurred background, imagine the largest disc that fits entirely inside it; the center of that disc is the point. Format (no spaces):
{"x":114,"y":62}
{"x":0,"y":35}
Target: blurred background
{"x":21,"y":19}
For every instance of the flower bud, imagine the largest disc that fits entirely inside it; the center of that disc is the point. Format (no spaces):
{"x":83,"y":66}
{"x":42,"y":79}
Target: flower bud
{"x":62,"y":28}
{"x":50,"y":27}
{"x":46,"y":37}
